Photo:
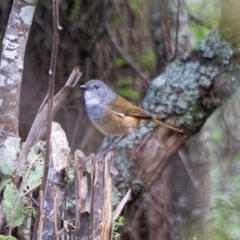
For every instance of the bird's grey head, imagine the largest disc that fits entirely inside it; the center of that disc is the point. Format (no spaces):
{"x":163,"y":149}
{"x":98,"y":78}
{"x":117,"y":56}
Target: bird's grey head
{"x":97,"y":92}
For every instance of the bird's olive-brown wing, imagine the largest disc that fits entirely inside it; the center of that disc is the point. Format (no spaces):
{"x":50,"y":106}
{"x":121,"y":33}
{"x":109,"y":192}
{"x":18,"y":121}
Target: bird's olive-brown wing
{"x":123,"y":107}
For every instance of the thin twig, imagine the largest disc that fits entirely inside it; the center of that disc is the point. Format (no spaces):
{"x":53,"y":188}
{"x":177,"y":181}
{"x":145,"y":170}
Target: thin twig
{"x":188,"y":168}
{"x":52,"y":73}
{"x":30,"y":190}
{"x":41,"y":216}
{"x":167,"y":56}
{"x":177,"y":29}
{"x":121,"y":205}
{"x":55,"y":207}
{"x":115,"y":44}
{"x":143,"y":141}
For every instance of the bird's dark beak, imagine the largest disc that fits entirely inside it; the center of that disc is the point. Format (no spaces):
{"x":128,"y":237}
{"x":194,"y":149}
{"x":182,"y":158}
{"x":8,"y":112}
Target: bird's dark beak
{"x":83,"y":87}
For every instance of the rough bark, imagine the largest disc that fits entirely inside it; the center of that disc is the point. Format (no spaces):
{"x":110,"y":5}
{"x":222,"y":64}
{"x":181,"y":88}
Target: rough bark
{"x":186,"y":94}
{"x":11,"y":69}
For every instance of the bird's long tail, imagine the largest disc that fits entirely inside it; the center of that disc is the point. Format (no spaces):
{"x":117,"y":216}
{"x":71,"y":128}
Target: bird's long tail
{"x":163,"y":124}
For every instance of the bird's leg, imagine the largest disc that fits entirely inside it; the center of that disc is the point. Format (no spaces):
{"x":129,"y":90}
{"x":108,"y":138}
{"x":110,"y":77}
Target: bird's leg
{"x":112,"y":145}
{"x":121,"y":138}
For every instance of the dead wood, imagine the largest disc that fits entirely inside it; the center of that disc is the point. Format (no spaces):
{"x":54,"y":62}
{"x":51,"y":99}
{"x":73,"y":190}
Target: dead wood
{"x":93,"y":183}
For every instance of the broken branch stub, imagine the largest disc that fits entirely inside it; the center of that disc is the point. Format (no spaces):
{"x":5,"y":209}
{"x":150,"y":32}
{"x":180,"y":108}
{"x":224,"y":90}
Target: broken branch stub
{"x":93,"y":196}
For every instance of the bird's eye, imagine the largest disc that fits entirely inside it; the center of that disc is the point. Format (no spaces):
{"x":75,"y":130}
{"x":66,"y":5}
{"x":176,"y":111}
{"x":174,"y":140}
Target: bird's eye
{"x":96,"y":86}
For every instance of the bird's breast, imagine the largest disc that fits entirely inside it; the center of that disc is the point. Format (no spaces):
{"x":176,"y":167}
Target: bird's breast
{"x":115,"y":125}
{"x":96,"y":112}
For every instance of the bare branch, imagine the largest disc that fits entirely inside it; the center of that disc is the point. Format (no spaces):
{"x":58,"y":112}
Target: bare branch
{"x":38,"y":129}
{"x":52,"y":73}
{"x":177,"y":29}
{"x":121,"y":205}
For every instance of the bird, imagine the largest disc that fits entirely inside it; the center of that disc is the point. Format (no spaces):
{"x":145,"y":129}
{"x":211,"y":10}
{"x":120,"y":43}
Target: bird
{"x":112,"y":114}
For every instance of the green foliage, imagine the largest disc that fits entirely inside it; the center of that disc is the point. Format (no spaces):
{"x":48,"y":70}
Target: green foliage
{"x":75,"y":14}
{"x":14,"y":215}
{"x":125,"y":88}
{"x":134,"y":5}
{"x":148,"y":61}
{"x":13,"y":205}
{"x":7,"y":238}
{"x":120,"y":62}
{"x":130,"y":93}
{"x":198,"y":32}
{"x":118,"y":224}
{"x":6,"y":168}
{"x":34,"y":178}
{"x":204,"y":15}
{"x":4,"y":182}
{"x":21,"y":171}
{"x":30,"y":211}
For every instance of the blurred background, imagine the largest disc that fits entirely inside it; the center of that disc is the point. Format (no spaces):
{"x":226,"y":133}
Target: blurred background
{"x":138,"y":50}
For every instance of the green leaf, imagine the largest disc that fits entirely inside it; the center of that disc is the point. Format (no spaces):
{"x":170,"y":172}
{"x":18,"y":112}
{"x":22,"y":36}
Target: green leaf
{"x":36,"y":158}
{"x":13,"y":206}
{"x":6,"y":168}
{"x":21,"y":171}
{"x":35,"y":176}
{"x":4,"y":182}
{"x":7,"y":238}
{"x":30,"y":211}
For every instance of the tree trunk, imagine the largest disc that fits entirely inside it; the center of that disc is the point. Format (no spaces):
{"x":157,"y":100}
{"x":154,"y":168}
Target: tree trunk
{"x":185,"y":94}
{"x":11,"y":69}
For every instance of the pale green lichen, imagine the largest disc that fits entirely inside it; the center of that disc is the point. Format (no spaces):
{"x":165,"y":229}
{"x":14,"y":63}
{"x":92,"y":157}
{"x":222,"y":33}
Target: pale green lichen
{"x":214,"y":46}
{"x":176,"y":92}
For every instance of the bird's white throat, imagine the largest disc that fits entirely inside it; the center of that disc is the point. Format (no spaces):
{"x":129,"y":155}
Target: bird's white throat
{"x":90,"y":99}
